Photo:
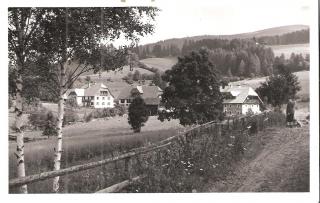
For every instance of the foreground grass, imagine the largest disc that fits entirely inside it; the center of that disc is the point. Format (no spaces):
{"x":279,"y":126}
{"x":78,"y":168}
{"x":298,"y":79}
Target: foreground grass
{"x":85,"y":143}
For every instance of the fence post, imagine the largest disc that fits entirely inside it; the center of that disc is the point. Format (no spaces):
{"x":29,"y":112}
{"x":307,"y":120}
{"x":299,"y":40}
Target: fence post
{"x":127,"y":167}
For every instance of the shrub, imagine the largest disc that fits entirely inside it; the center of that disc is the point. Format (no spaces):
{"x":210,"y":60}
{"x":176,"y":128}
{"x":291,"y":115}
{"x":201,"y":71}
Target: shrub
{"x":138,"y":114}
{"x":88,"y":117}
{"x":121,"y":110}
{"x":38,"y":118}
{"x":50,"y":125}
{"x":70,"y":116}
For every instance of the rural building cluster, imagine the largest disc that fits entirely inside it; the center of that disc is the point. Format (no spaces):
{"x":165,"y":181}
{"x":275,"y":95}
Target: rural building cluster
{"x":238,"y":100}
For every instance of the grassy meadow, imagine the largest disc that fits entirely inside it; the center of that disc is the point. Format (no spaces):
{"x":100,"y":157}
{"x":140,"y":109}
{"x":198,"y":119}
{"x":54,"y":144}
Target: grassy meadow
{"x":86,"y":142}
{"x":288,"y":49}
{"x":303,"y":77}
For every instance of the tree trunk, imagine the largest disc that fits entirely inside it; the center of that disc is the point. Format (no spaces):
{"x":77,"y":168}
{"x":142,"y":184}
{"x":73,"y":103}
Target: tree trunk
{"x":20,"y":143}
{"x":58,"y":148}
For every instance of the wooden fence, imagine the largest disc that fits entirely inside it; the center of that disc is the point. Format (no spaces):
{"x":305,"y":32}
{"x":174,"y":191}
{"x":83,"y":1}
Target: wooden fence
{"x":243,"y":124}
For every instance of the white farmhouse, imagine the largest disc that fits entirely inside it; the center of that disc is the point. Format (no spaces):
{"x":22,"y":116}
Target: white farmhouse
{"x":239,"y":100}
{"x":96,"y":96}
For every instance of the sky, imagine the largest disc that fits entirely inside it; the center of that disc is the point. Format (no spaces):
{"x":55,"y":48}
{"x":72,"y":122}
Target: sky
{"x":182,"y":18}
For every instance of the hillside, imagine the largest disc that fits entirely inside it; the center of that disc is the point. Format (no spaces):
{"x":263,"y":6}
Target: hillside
{"x":265,"y":32}
{"x":303,"y":49}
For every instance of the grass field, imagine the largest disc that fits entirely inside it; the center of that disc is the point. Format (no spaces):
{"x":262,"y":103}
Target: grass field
{"x":288,"y":49}
{"x":84,"y":142}
{"x":303,"y":77}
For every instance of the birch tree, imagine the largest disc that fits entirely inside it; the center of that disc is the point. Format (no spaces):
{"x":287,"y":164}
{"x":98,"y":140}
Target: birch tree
{"x":23,"y":39}
{"x":76,"y":41}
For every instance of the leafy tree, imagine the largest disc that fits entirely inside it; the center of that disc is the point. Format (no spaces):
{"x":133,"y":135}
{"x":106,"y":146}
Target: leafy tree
{"x":138,"y":114}
{"x":157,"y":80}
{"x":279,"y":88}
{"x":193,"y":94}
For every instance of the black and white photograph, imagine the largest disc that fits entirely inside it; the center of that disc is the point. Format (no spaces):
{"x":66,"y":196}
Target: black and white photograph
{"x":162,"y":97}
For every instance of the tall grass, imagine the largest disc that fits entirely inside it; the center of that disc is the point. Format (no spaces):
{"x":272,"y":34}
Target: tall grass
{"x":202,"y":154}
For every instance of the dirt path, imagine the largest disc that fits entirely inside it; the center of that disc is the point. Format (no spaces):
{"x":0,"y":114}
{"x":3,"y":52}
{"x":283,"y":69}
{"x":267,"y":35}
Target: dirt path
{"x":277,"y":160}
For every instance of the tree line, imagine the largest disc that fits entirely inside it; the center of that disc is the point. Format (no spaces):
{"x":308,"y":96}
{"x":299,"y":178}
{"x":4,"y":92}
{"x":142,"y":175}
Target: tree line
{"x":161,"y":49}
{"x":297,"y":37}
{"x":237,"y":57}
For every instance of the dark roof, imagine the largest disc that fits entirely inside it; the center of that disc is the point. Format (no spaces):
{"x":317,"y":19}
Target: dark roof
{"x":150,"y":94}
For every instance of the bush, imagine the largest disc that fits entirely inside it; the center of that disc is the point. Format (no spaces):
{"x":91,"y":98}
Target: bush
{"x":106,"y":112}
{"x":50,"y":125}
{"x":121,"y":110}
{"x":38,"y":118}
{"x":70,"y":116}
{"x":88,"y":117}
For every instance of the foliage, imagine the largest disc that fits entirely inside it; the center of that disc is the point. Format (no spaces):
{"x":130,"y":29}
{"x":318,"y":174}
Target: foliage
{"x":136,"y":76}
{"x":38,"y":118}
{"x":192,"y":95}
{"x":157,"y":80}
{"x":278,"y":89}
{"x":70,"y":116}
{"x":72,"y":103}
{"x":118,"y":110}
{"x":138,"y":114}
{"x":249,"y":112}
{"x":297,"y":37}
{"x":202,"y":154}
{"x":121,"y":110}
{"x":296,"y":62}
{"x":50,"y":125}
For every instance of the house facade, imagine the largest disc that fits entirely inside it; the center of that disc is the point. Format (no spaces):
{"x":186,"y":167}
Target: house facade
{"x":239,"y":100}
{"x":96,"y":96}
{"x":150,"y":94}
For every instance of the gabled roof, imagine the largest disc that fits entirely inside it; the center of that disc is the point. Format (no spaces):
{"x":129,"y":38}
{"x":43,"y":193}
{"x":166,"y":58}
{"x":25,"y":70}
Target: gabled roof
{"x":94,"y":90}
{"x":150,"y":94}
{"x":240,"y":93}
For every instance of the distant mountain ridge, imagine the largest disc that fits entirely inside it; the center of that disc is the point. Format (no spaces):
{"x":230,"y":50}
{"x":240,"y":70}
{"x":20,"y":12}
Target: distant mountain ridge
{"x":260,"y":33}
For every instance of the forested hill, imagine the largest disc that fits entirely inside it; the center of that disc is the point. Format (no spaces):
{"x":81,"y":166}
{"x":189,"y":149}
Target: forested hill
{"x":293,"y":34}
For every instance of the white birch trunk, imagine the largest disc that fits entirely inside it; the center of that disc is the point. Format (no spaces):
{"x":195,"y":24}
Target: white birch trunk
{"x":20,"y":142}
{"x":58,"y":148}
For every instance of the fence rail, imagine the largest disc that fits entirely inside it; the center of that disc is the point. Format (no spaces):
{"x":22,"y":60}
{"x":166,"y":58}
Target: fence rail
{"x":230,"y":123}
{"x":51,"y":174}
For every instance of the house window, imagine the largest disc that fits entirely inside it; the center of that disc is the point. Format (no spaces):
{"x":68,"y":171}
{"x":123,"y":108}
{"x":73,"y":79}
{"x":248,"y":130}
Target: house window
{"x":102,"y":103}
{"x":92,"y":97}
{"x":91,"y":103}
{"x":128,"y":101}
{"x":122,"y":101}
{"x":97,"y":98}
{"x":108,"y":103}
{"x":108,"y":98}
{"x":102,"y":98}
{"x":97,"y":103}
